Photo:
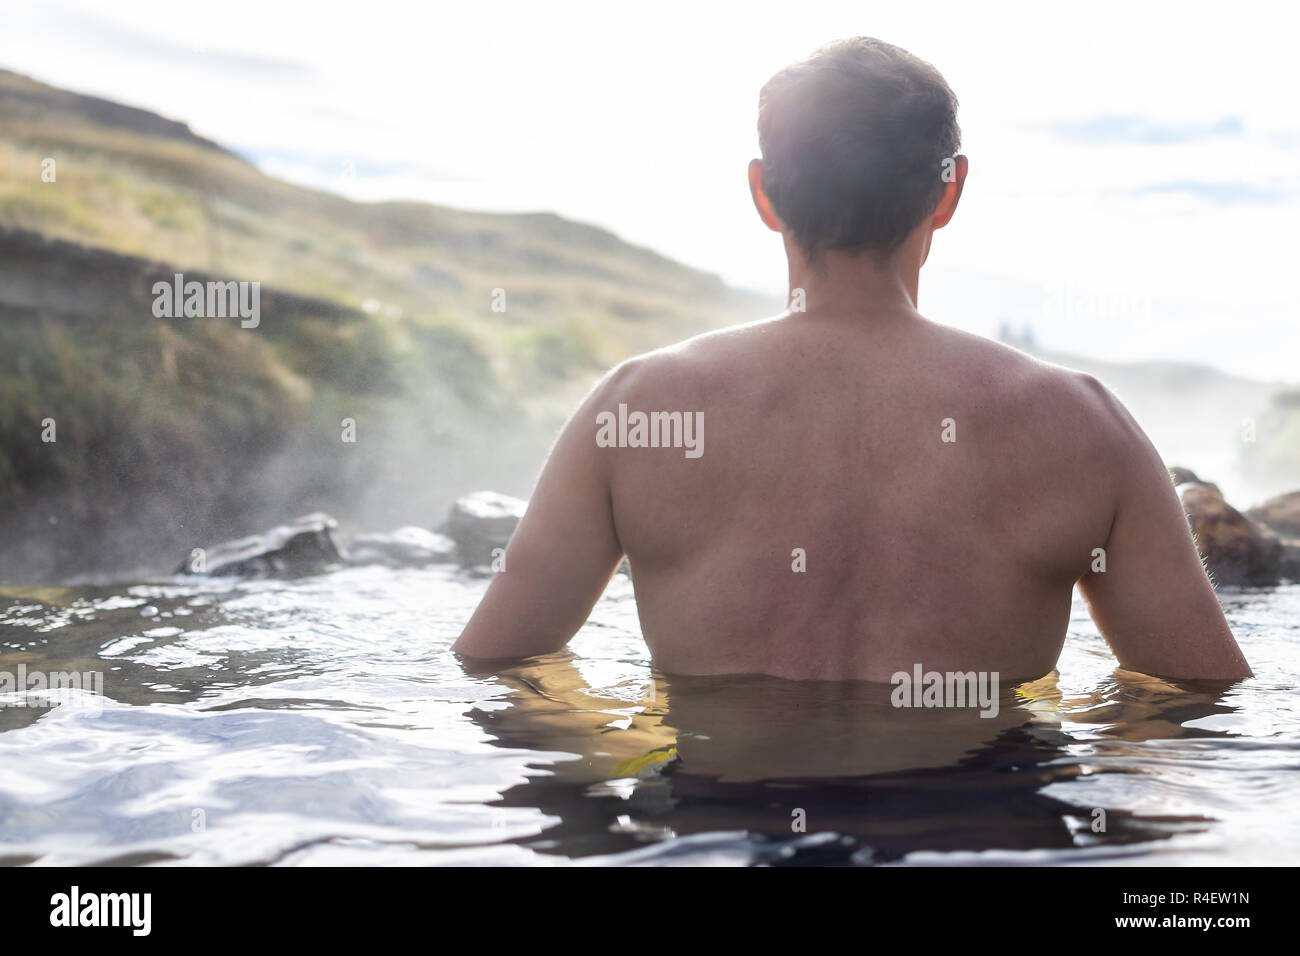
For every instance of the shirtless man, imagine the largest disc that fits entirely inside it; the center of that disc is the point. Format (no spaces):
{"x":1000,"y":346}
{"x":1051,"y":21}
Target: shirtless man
{"x":873,"y":490}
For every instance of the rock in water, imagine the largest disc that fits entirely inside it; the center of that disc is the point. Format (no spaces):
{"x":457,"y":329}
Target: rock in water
{"x":1236,"y":550}
{"x":481,"y":522}
{"x":1282,"y":514}
{"x":304,"y":546}
{"x":1291,"y":559}
{"x":1183,"y":476}
{"x":408,"y":547}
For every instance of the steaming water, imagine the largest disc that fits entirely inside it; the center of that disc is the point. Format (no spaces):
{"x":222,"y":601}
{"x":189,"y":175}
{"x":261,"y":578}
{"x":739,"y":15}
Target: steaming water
{"x":324,"y":721}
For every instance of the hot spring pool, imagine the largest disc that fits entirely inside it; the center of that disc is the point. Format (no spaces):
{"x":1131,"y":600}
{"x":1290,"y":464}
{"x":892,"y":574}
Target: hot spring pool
{"x":324,"y":721}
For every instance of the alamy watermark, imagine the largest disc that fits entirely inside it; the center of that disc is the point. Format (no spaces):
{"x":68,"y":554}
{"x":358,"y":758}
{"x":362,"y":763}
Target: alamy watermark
{"x":212,"y":300}
{"x":80,"y":690}
{"x":74,"y":908}
{"x":1063,"y":300}
{"x":948,"y":689}
{"x":651,"y":430}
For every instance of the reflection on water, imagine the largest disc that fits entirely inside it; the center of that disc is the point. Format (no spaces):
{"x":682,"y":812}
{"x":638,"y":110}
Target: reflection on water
{"x":776,"y":758}
{"x":325,"y":721}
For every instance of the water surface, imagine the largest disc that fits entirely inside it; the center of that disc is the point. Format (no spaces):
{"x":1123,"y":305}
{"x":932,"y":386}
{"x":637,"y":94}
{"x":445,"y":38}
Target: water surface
{"x":324,"y":721}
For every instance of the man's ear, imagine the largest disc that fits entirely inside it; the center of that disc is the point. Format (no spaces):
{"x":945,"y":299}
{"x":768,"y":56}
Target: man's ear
{"x":760,"y":198}
{"x":951,"y":192}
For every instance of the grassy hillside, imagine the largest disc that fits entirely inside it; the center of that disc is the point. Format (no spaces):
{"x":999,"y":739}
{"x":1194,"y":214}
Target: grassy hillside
{"x":173,"y":431}
{"x":577,"y":298}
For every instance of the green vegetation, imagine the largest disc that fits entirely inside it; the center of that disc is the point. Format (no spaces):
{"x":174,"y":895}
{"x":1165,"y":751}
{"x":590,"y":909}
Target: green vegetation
{"x":377,"y":312}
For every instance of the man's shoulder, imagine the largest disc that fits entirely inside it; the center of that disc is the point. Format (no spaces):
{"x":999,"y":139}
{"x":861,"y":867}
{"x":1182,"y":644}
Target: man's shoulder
{"x":1058,"y":396}
{"x":1082,"y":397}
{"x":1042,"y":396}
{"x":1024,"y":376}
{"x":683,"y":369}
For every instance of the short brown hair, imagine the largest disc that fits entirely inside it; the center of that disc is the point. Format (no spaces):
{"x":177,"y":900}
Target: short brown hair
{"x":853,"y":141}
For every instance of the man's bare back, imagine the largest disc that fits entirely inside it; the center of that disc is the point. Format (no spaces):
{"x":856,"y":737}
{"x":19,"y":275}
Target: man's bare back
{"x":875,"y":491}
{"x":871,"y":491}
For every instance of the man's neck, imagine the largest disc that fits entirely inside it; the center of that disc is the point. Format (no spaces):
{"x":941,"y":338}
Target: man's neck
{"x":844,"y":283}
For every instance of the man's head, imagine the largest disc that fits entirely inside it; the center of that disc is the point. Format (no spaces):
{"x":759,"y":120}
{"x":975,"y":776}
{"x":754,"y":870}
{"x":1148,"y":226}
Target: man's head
{"x":854,"y":141}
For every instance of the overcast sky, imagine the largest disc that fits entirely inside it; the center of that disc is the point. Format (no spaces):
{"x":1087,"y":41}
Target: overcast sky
{"x":1133,"y":166}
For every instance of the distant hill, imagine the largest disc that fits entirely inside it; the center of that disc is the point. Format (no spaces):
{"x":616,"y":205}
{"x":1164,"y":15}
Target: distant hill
{"x":171,"y":433}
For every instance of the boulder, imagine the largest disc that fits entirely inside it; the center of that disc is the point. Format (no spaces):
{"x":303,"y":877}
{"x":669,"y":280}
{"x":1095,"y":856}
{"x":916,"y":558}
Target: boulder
{"x":481,"y":522}
{"x":303,"y":546}
{"x":1236,"y":550}
{"x":1282,"y":514}
{"x":408,"y":547}
{"x":1290,"y":568}
{"x":1185,"y":476}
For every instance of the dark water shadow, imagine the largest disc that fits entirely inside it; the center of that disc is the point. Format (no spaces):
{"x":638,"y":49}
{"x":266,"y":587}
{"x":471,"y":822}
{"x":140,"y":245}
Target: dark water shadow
{"x":824,"y":772}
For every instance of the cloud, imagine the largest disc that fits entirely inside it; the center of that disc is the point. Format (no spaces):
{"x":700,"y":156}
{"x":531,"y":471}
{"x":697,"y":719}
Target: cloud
{"x":199,"y":50}
{"x":1139,"y":131}
{"x":1220,"y":193}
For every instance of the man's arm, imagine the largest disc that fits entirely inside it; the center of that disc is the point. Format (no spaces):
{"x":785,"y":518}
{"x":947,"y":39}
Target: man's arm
{"x":562,"y":553}
{"x":1153,"y":603}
